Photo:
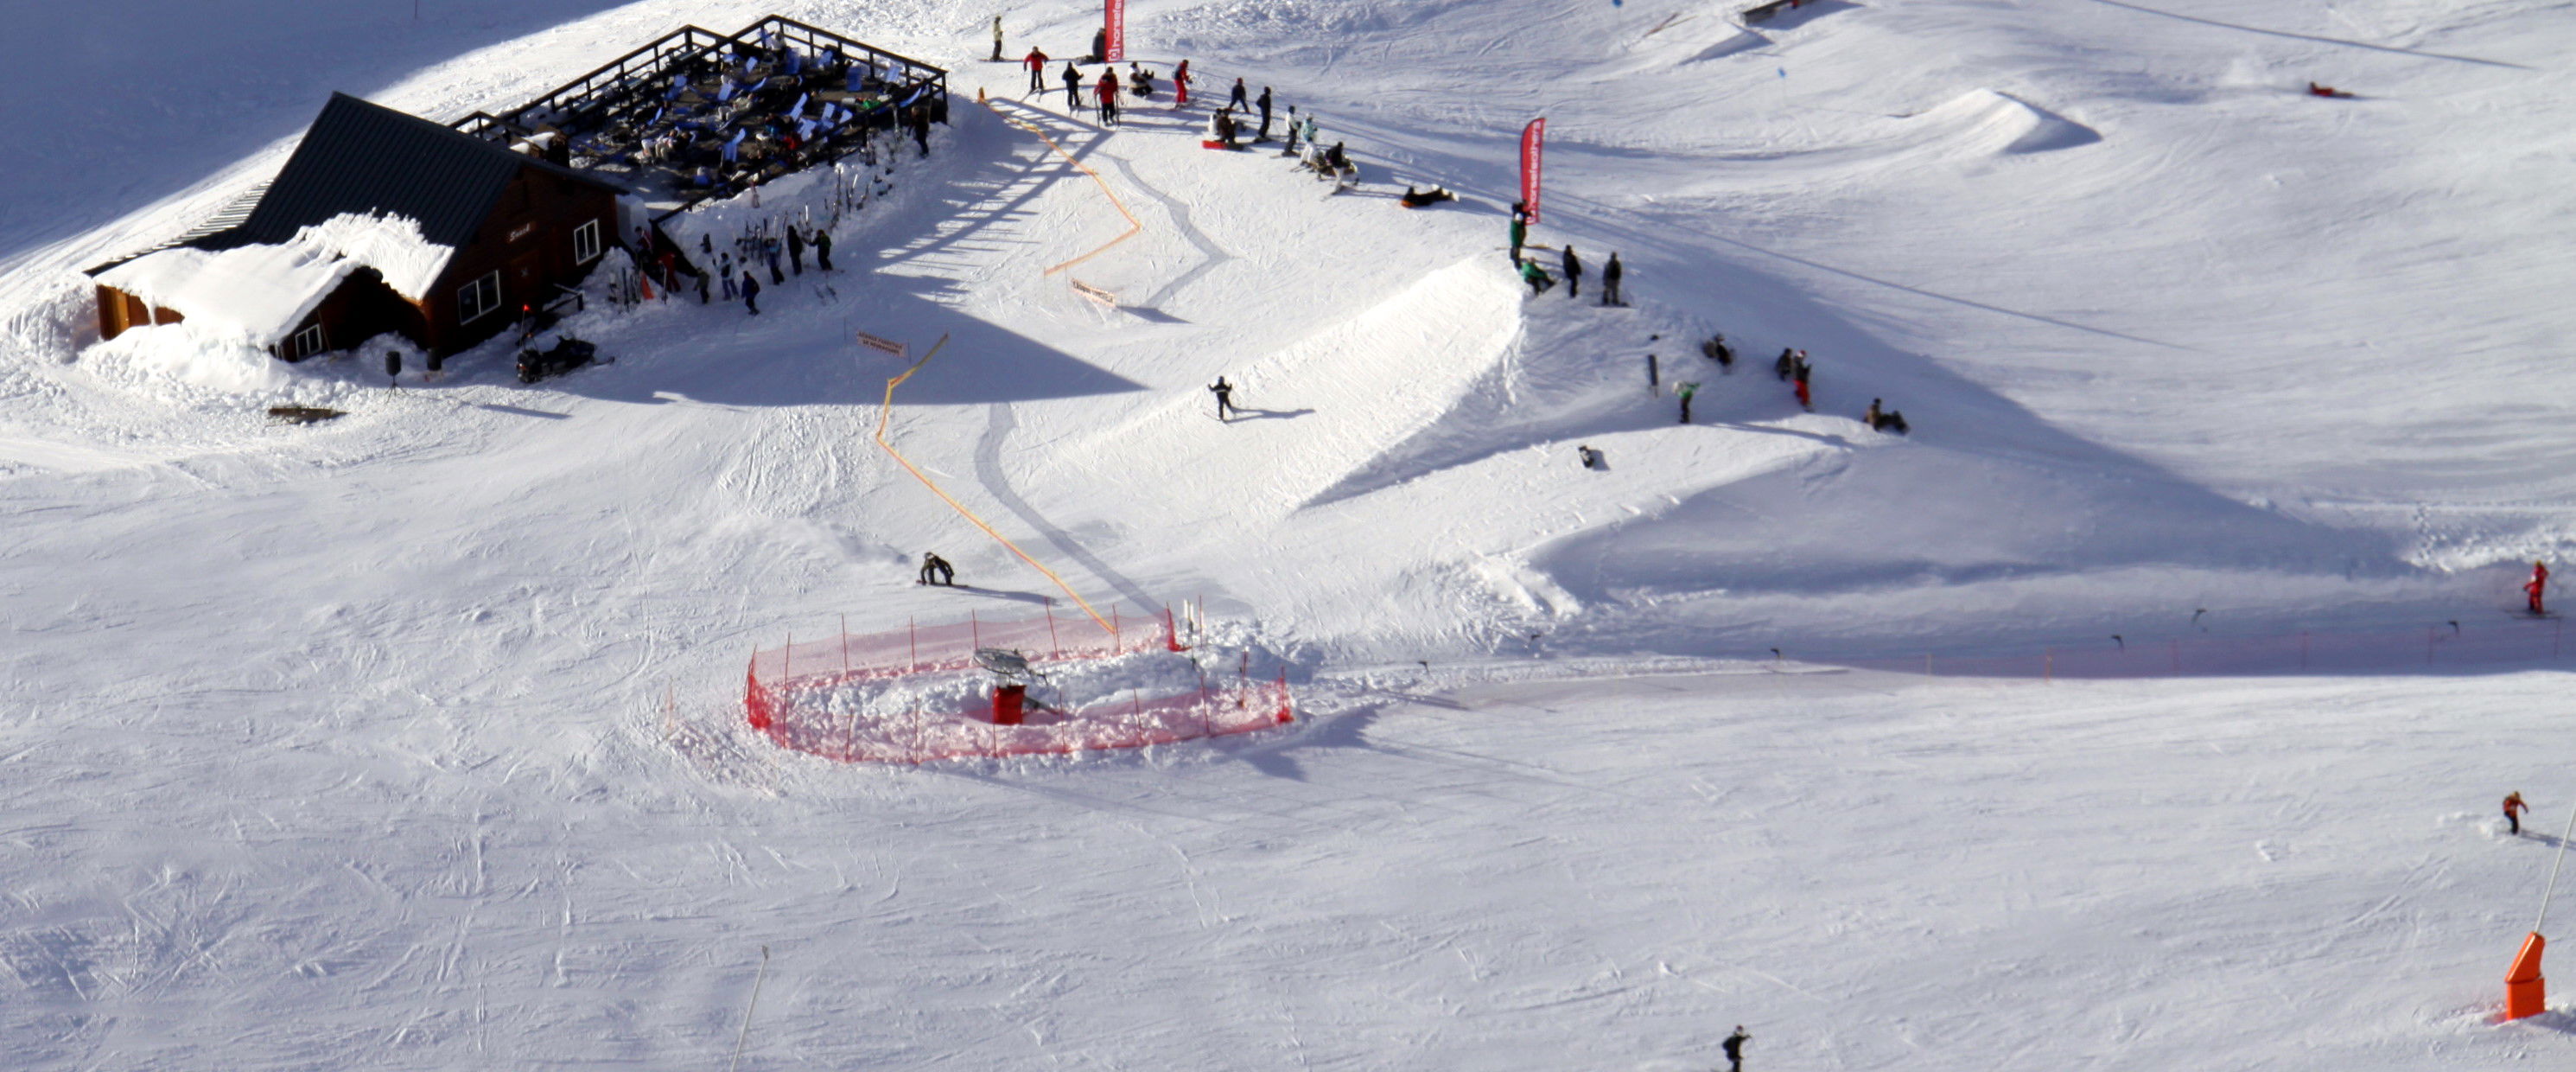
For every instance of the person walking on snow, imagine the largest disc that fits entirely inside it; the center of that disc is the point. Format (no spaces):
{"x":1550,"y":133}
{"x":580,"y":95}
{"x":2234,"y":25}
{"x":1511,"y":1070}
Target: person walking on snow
{"x":2513,"y":809}
{"x":1734,"y":1049}
{"x":1224,"y":393}
{"x":1573,"y":266}
{"x":1072,"y":87}
{"x":1610,"y":274}
{"x":1685,"y":390}
{"x":997,"y":39}
{"x":936,"y":570}
{"x":1036,"y":62}
{"x":751,"y":292}
{"x":1181,"y":86}
{"x":2539,"y":585}
{"x":1242,"y":97}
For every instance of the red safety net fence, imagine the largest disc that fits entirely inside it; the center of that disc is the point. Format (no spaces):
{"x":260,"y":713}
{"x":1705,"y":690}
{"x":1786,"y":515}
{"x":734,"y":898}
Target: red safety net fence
{"x":917,"y":695}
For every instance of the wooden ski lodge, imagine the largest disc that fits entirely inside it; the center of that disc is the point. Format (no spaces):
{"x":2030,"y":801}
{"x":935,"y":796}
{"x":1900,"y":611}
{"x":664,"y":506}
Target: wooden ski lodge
{"x":449,"y":233}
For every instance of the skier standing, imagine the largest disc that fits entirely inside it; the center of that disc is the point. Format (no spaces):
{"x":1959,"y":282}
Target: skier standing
{"x":724,"y":268}
{"x":822,"y":250}
{"x":1242,"y":96}
{"x":997,"y":39}
{"x":1788,"y":362}
{"x":1685,"y":390}
{"x":2513,"y":809}
{"x":1072,"y":87}
{"x":1734,"y":1047}
{"x":1573,"y":266}
{"x":2539,"y":585}
{"x":1806,"y":398}
{"x":1520,"y":231}
{"x":1105,"y":94}
{"x":1224,"y":393}
{"x":1265,"y":115}
{"x":1610,"y":274}
{"x":1291,"y":150}
{"x":751,"y":293}
{"x":1036,"y":62}
{"x":1181,"y":86}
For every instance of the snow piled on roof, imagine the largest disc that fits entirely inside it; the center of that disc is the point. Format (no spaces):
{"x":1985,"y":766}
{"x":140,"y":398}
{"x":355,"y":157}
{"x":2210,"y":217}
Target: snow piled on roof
{"x":392,"y":245}
{"x":261,"y":292}
{"x":255,"y":293}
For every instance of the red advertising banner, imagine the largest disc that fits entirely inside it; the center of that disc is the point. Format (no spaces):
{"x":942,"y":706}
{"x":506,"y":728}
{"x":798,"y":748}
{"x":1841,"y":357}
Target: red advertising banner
{"x":1533,"y":146}
{"x":1114,"y":16}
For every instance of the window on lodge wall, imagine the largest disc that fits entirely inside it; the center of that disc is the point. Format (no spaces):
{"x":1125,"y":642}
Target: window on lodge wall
{"x":585,"y":242}
{"x":478,"y":297}
{"x":305,"y":343}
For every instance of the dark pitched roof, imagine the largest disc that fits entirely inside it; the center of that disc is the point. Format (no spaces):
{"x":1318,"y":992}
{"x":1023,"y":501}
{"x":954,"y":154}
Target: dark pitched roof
{"x":367,"y":158}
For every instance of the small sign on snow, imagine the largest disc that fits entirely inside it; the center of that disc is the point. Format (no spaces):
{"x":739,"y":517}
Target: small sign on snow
{"x":874,"y":342}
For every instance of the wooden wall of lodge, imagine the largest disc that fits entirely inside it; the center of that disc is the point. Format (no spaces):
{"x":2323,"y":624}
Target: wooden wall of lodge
{"x":528,"y":238}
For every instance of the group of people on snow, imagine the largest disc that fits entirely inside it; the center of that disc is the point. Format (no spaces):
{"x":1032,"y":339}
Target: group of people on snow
{"x":1568,"y":261}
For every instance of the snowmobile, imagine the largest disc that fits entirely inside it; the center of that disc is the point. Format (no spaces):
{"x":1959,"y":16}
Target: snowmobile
{"x":565,"y":355}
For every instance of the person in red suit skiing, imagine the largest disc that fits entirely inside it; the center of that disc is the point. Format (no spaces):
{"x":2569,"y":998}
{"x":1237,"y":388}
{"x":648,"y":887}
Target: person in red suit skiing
{"x":2539,"y":584}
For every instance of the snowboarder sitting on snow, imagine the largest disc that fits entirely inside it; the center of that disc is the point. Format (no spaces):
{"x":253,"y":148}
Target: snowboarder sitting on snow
{"x":2513,"y":809}
{"x":1417,"y":198}
{"x":1536,"y":277}
{"x":1591,"y":458}
{"x":1221,"y":129}
{"x":1716,"y":349}
{"x":1140,"y":81}
{"x":933,"y":566}
{"x":1224,"y":393}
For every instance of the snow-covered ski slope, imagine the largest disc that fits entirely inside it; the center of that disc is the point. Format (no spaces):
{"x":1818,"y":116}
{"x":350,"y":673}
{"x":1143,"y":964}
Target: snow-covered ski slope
{"x":405,"y":740}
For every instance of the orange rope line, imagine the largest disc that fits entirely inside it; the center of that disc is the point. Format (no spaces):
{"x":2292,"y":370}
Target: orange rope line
{"x":885,"y":418}
{"x":1133,"y":228}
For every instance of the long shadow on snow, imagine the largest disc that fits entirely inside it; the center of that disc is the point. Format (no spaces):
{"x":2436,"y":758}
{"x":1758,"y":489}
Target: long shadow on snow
{"x":800,"y":351}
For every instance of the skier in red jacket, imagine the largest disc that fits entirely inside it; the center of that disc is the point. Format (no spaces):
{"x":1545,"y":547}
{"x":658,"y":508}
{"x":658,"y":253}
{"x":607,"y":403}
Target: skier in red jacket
{"x":2539,"y":584}
{"x":1036,"y":62}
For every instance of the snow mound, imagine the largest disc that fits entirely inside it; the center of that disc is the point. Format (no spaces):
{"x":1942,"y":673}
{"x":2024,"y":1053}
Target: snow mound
{"x":1324,"y":407}
{"x":1982,"y":122}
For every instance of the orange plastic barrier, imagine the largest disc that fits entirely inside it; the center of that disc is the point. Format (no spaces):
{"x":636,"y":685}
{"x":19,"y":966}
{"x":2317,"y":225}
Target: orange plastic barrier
{"x":2525,"y":992}
{"x":1133,"y":227}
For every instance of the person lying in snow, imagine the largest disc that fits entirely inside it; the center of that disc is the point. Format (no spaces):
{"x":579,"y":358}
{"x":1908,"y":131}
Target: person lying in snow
{"x":1417,"y":198}
{"x":2315,"y":90}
